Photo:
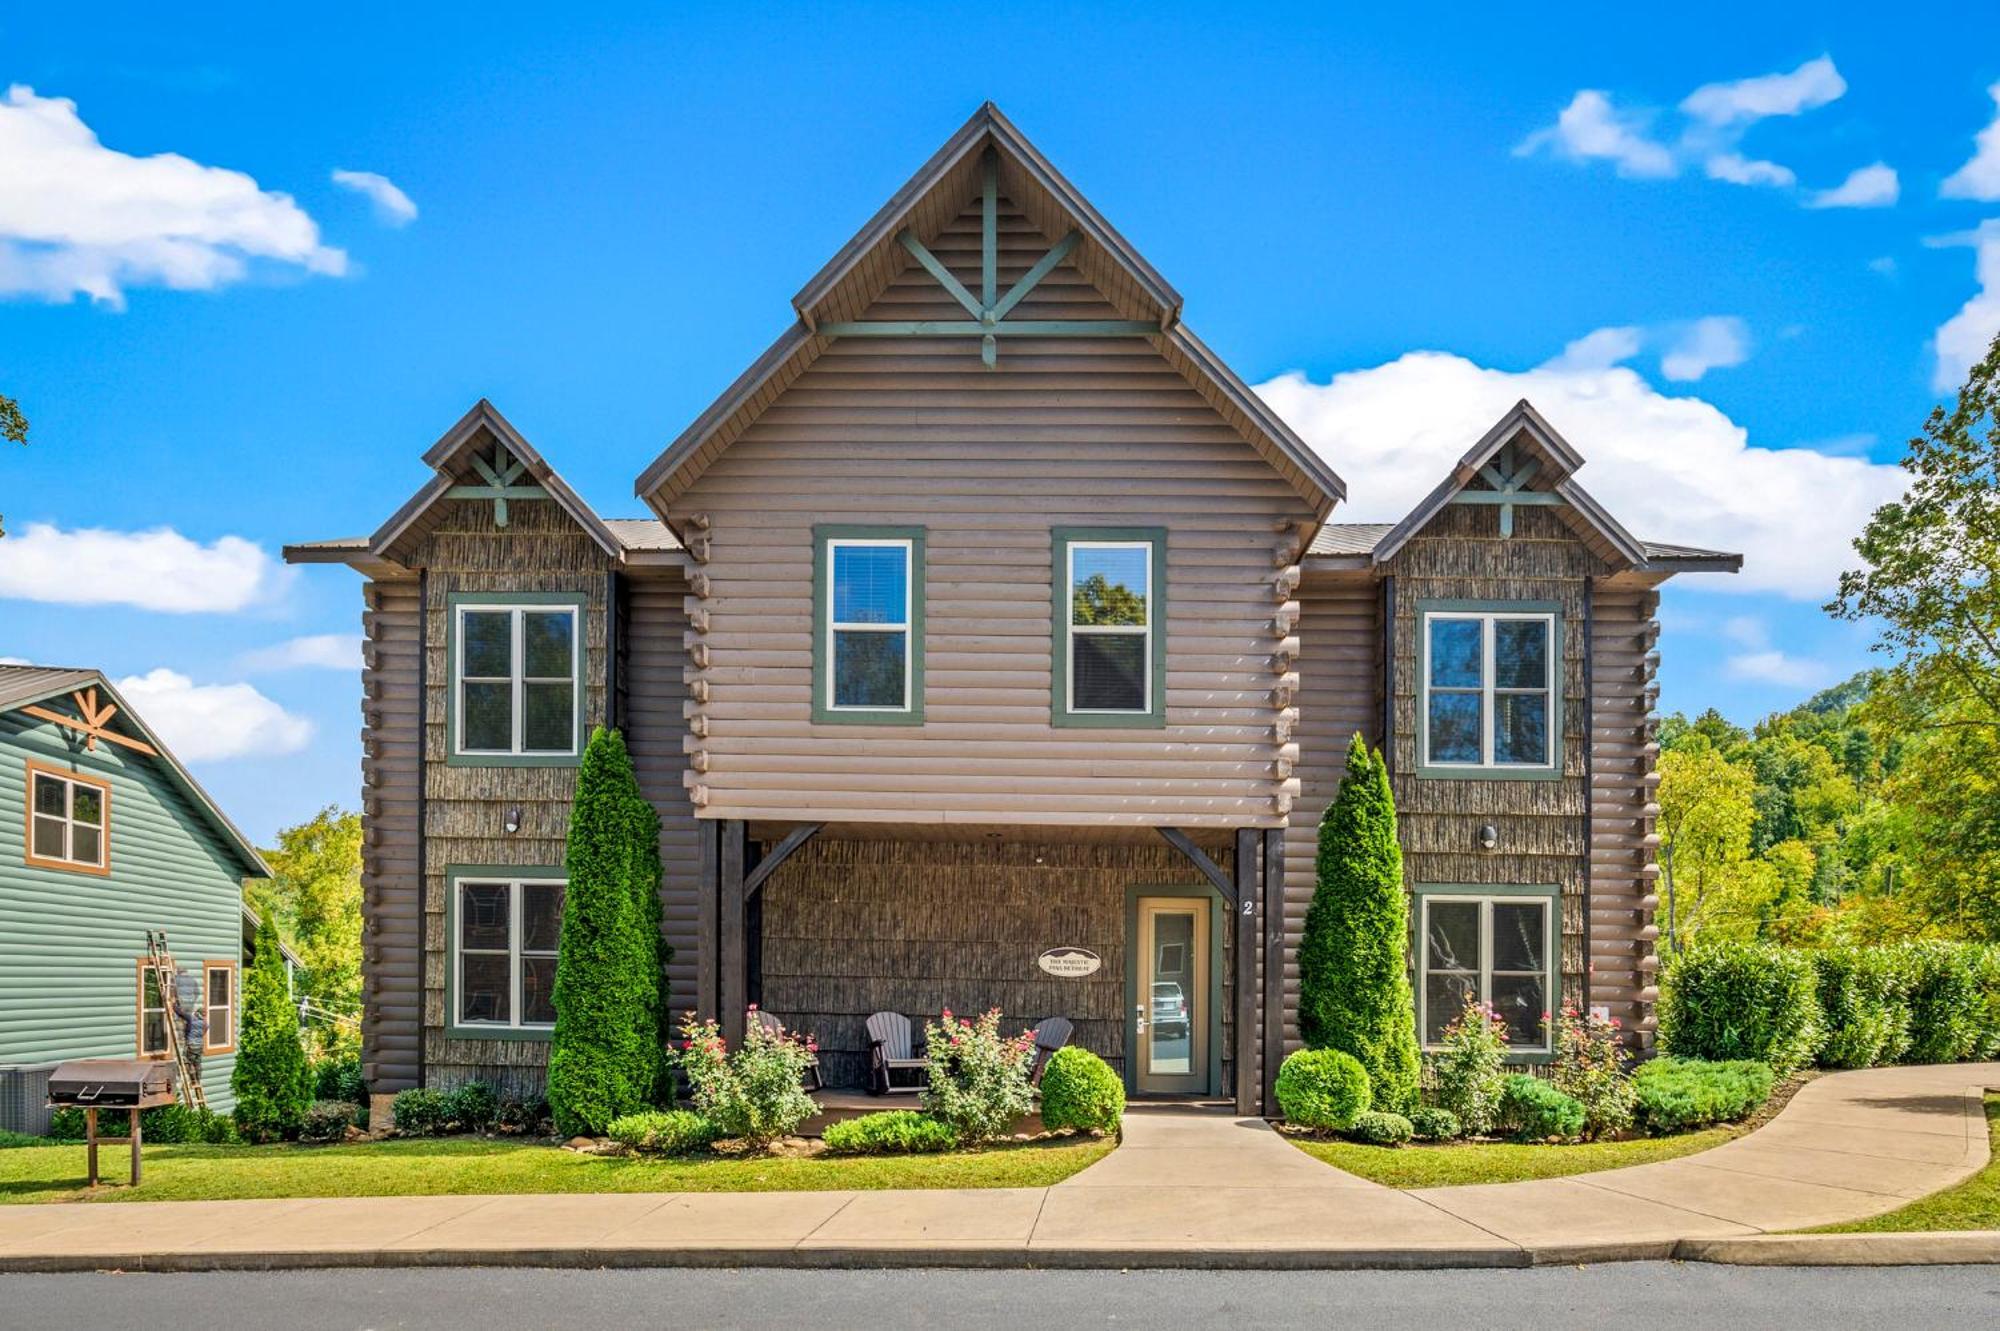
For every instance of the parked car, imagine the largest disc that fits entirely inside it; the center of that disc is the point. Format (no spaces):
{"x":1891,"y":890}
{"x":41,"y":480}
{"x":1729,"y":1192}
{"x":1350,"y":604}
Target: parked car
{"x":1170,"y":1011}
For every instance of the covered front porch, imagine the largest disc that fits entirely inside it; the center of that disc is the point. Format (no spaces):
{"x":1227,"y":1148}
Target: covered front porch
{"x":1137,"y":936}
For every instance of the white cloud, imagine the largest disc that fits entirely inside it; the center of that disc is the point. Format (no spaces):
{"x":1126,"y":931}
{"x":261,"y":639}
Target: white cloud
{"x":1669,"y":468}
{"x":1600,"y":350}
{"x":1737,"y":169}
{"x":77,"y":217}
{"x":153,"y":570}
{"x":1591,"y":129}
{"x":1746,"y":631}
{"x":314,"y":651}
{"x":1716,"y":342}
{"x":15,"y":660}
{"x":1745,"y":101}
{"x":211,"y":722}
{"x":1979,"y":178}
{"x":1772,"y":666}
{"x":1884,"y":266}
{"x":1873,"y":186}
{"x":1963,"y":339}
{"x":391,"y":204}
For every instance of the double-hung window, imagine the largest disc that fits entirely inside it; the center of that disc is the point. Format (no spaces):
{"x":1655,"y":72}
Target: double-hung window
{"x":152,"y":1013}
{"x":517,"y":679}
{"x":1491,"y":680}
{"x":68,"y":821}
{"x":504,"y":933}
{"x":219,"y":995}
{"x":1109,"y":626}
{"x":1497,"y":949}
{"x":868,"y":617}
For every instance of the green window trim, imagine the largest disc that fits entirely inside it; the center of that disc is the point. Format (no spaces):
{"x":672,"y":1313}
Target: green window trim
{"x":1218,"y":917}
{"x":823,"y":710}
{"x":460,"y":601}
{"x":1488,"y":893}
{"x":487,"y":873}
{"x":1550,"y":771}
{"x":1060,"y":715}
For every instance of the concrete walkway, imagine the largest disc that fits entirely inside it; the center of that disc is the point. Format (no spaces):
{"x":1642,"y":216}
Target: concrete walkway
{"x":1186,"y":1188}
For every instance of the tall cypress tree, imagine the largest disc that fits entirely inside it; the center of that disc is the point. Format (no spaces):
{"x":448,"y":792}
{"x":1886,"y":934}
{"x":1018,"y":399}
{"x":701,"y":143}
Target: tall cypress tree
{"x":272,"y":1083}
{"x":1354,"y":985}
{"x":604,"y":1057}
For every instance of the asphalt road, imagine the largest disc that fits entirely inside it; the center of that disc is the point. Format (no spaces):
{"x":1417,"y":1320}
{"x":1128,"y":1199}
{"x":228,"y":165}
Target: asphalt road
{"x":1684,"y":1297}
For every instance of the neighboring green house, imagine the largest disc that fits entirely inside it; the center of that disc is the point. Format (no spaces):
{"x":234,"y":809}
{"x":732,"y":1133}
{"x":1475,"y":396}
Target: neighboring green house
{"x":103,"y":836}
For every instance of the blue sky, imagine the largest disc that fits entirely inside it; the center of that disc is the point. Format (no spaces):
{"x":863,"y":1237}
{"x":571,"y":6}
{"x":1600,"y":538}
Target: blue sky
{"x":611,"y":215}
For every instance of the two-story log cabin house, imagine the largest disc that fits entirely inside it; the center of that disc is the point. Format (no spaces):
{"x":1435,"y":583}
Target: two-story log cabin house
{"x":987,"y":621}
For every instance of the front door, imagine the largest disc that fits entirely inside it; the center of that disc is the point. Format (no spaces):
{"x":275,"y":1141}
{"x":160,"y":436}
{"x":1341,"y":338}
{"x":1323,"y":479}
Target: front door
{"x":1172,"y":1003}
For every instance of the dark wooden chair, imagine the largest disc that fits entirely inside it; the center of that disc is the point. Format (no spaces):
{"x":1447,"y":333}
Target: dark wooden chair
{"x":1051,"y":1034}
{"x":892,"y":1049}
{"x":810,"y":1079}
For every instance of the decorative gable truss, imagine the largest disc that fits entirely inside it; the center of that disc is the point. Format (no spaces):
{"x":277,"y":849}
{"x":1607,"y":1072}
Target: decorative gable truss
{"x":91,"y":723}
{"x":502,"y":475}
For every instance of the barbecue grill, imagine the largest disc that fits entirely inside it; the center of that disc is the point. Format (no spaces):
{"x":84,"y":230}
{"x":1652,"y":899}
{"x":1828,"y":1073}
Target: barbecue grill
{"x":131,"y":1084}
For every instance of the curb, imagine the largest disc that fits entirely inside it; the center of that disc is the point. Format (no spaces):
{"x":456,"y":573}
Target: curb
{"x":1940,"y":1248}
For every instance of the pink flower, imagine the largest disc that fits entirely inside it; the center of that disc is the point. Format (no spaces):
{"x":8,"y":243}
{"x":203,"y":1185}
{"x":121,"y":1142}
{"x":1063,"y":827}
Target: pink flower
{"x":751,"y":1008}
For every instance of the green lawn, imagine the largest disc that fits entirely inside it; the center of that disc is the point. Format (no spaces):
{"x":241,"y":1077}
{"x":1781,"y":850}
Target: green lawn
{"x":419,"y":1166}
{"x":1420,"y":1166}
{"x":1973,"y":1204}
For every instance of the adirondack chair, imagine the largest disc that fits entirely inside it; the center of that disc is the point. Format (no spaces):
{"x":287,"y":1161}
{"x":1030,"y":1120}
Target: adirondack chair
{"x":810,"y":1079}
{"x":1051,"y":1034}
{"x":891,"y":1049}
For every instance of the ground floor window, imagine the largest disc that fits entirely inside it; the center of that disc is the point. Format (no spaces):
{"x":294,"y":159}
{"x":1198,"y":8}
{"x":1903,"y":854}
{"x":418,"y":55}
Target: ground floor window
{"x":1496,"y":946}
{"x":152,"y":1013}
{"x":504,"y":933}
{"x":219,"y":988}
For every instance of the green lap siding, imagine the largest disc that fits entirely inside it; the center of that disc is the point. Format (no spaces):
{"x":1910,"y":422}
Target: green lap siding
{"x":70,"y":943}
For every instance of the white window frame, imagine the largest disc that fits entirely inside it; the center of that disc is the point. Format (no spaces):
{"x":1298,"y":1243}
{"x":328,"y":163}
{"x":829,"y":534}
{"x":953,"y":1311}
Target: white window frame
{"x":68,"y":822}
{"x":1072,"y":629}
{"x":209,"y":1007}
{"x":1550,"y":974}
{"x":1489,"y":691}
{"x":519,"y":678}
{"x":515,"y":951}
{"x":166,"y":1037}
{"x":835,"y":627}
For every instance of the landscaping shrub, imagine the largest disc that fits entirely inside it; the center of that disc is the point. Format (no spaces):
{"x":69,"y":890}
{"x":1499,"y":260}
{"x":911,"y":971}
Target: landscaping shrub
{"x":1466,"y":1076}
{"x":522,"y":1115}
{"x":272,"y":1082}
{"x":1326,"y":1089}
{"x":1380,"y":1128}
{"x":340,"y":1079}
{"x":1727,"y":1001}
{"x":9,"y":1140}
{"x":326,"y":1121}
{"x":1431,"y":1124}
{"x":1354,"y":988}
{"x":753,"y":1094}
{"x":1986,"y":969}
{"x":1535,"y":1111}
{"x":895,"y":1132}
{"x":1079,"y":1090}
{"x":473,"y":1107}
{"x":1676,"y":1094}
{"x":420,"y":1112}
{"x":1590,"y":1067}
{"x":662,"y":1131}
{"x":163,"y":1125}
{"x":977,"y":1079}
{"x":605,"y":1055}
{"x":1864,"y":1005}
{"x":1946,"y":1006}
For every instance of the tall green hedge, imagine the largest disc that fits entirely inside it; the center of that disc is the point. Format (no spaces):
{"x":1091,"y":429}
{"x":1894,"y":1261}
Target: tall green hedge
{"x":273,"y":1084}
{"x":1725,"y":1001}
{"x":606,"y":1058}
{"x":1354,"y":985}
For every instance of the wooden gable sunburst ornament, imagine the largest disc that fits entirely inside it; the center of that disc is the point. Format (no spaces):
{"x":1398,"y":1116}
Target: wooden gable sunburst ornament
{"x":91,"y":723}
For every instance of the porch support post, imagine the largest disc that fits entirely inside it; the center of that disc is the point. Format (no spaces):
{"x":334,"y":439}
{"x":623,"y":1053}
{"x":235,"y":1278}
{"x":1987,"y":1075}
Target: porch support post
{"x":708,"y":936}
{"x":1249,"y":868}
{"x":732,"y":920}
{"x":1274,"y":964}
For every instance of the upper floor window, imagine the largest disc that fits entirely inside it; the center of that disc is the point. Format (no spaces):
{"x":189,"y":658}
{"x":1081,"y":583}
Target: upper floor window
{"x":504,"y":936}
{"x":69,"y":820}
{"x":1110,"y":626}
{"x":1490,"y":701}
{"x":517,"y":678}
{"x":1497,"y":948}
{"x":868,"y":618}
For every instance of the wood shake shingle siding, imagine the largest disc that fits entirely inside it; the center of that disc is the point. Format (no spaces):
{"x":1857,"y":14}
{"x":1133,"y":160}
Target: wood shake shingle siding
{"x":655,"y":622}
{"x":915,"y":431}
{"x":391,"y":793}
{"x":1624,"y":785}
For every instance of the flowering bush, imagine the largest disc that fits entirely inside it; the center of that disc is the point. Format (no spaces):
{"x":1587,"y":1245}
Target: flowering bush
{"x":1590,"y":1068}
{"x":977,"y":1079}
{"x":753,"y":1094}
{"x":1468,"y":1075}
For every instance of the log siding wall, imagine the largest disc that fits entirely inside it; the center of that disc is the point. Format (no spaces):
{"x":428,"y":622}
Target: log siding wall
{"x":653,"y":659}
{"x":392,"y":941}
{"x":1624,"y":784}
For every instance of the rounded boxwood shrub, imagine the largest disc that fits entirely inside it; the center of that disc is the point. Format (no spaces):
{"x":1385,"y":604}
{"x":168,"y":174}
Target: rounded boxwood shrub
{"x":1535,"y":1111}
{"x":1382,"y":1129}
{"x":1431,"y":1124}
{"x":894,"y":1132}
{"x":1676,"y":1094}
{"x":1323,"y":1088}
{"x":1726,"y":1001}
{"x":326,"y":1121}
{"x":666,"y":1132}
{"x":421,"y":1112}
{"x":473,"y":1107}
{"x":1080,"y":1091}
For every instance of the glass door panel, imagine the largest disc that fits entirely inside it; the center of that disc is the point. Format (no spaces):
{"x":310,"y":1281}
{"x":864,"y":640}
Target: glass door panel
{"x":1172,"y":1003}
